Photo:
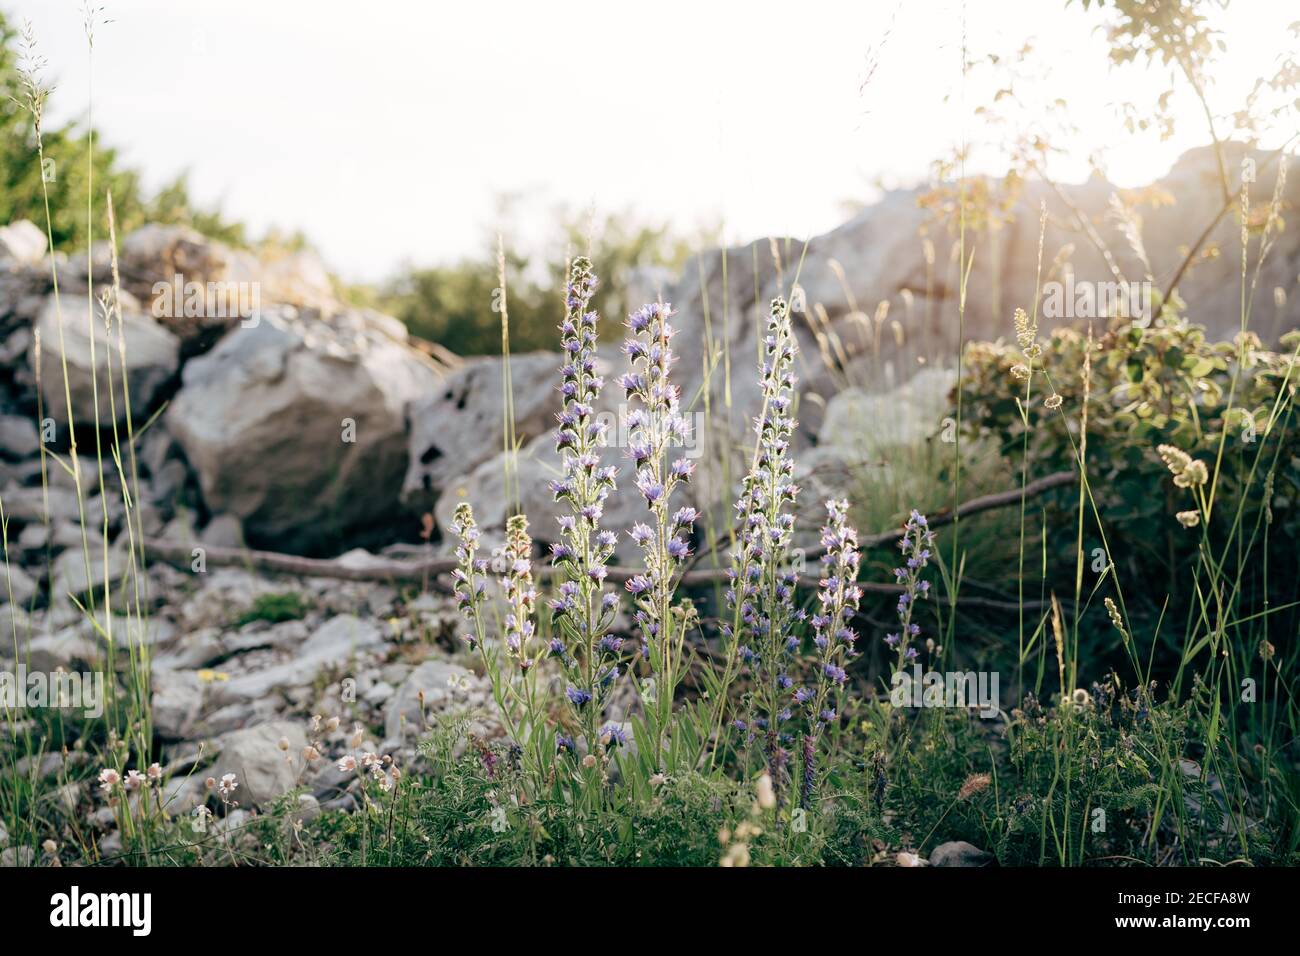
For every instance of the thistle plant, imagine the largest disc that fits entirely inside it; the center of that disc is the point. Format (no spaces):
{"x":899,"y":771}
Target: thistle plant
{"x":761,"y":586}
{"x":583,"y":610}
{"x":915,"y":544}
{"x":654,"y":426}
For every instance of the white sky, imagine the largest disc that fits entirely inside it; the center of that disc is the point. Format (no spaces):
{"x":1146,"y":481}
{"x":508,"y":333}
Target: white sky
{"x":385,"y":129}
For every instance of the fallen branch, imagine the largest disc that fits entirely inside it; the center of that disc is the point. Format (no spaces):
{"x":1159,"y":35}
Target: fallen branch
{"x":974,"y":506}
{"x":181,"y":555}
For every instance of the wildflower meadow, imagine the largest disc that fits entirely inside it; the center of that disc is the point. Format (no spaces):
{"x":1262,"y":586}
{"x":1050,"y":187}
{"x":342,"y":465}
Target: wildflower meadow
{"x":961,"y":535}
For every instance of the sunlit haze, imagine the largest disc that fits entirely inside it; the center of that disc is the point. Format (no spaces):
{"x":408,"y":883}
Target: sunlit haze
{"x":387,"y":131}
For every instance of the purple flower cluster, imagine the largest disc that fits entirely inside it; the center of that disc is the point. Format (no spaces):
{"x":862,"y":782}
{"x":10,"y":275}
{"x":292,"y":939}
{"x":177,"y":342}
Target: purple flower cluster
{"x":521,"y":595}
{"x":915,"y":544}
{"x":470,"y":571}
{"x":655,"y":424}
{"x":583,"y":610}
{"x":838,"y":596}
{"x":761,"y":588}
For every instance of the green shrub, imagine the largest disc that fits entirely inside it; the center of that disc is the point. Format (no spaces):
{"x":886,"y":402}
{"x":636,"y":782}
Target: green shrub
{"x":1229,"y":405}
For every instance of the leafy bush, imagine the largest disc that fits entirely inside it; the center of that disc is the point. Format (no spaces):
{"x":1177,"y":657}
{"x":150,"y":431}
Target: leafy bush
{"x":1228,"y":405}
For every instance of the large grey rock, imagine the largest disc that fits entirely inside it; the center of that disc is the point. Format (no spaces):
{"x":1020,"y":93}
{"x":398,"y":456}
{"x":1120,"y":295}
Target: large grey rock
{"x":32,"y":505}
{"x":22,"y":242}
{"x":66,"y":648}
{"x":872,"y":422}
{"x":297,"y":427}
{"x":460,"y":424}
{"x":253,"y":755}
{"x":70,"y":570}
{"x":880,"y":256}
{"x":177,"y":702}
{"x":152,"y":358}
{"x":18,"y":437}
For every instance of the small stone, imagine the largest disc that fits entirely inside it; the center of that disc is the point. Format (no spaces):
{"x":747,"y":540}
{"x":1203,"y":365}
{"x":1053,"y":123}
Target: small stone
{"x":960,"y":853}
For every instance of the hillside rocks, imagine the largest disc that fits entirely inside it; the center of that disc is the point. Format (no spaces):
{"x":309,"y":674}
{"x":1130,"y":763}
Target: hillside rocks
{"x":159,"y":254}
{"x":265,"y":371}
{"x":298,"y":427}
{"x":878,"y":297}
{"x":287,"y":424}
{"x":152,"y":356}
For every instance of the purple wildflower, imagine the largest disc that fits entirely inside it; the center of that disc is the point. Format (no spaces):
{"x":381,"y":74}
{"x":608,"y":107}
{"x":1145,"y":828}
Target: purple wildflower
{"x":916,"y":545}
{"x":586,"y":610}
{"x":761,"y":597}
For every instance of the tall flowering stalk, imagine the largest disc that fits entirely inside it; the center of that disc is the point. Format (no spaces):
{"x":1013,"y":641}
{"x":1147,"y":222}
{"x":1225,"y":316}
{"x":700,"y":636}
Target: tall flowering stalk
{"x":762,"y":586}
{"x":655,"y":424}
{"x":470,"y":588}
{"x":583,"y":610}
{"x":915,"y":544}
{"x":838,"y":597}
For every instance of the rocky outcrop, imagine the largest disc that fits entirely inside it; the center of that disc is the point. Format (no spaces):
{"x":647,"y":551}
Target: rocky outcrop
{"x":297,"y":426}
{"x":287,"y":422}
